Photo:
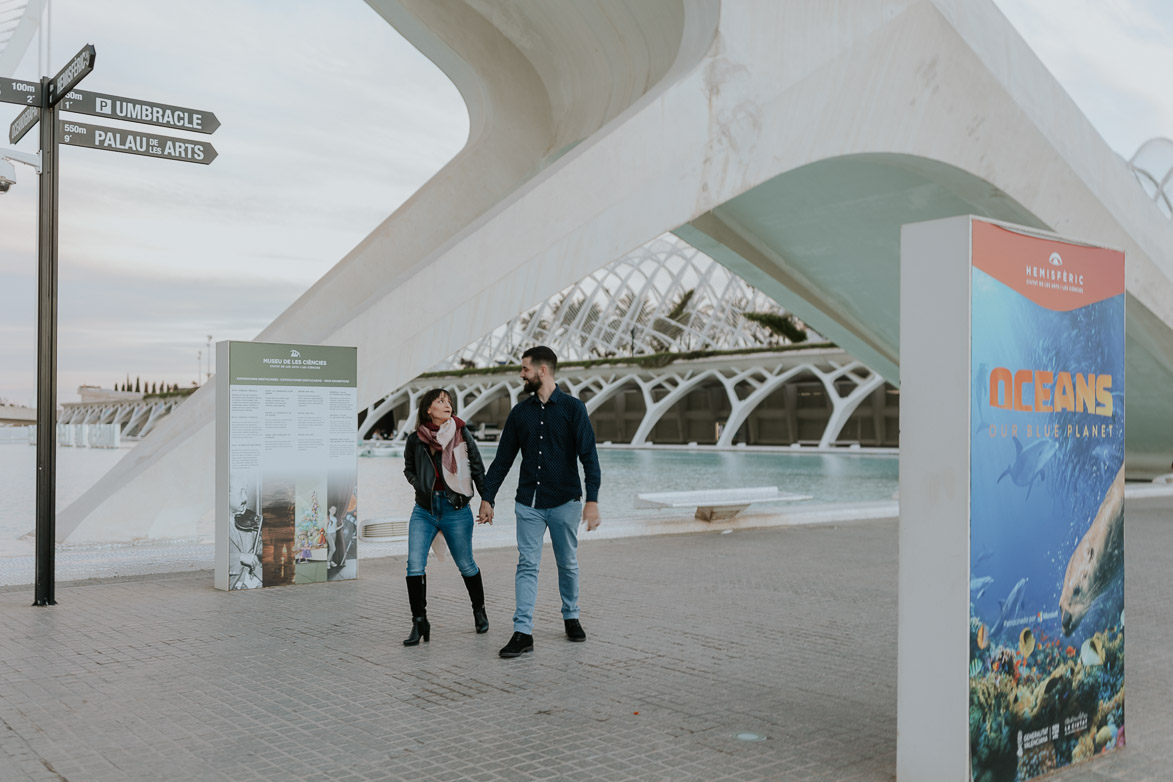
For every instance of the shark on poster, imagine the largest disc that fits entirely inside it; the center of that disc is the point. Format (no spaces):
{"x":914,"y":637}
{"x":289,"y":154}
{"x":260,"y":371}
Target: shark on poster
{"x":1046,"y":663}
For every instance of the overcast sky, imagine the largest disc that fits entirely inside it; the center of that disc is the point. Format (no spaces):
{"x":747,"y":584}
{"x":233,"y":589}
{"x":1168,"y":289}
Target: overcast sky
{"x":330,"y":120}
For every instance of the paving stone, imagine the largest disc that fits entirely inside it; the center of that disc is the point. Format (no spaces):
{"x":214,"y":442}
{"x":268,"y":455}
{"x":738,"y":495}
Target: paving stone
{"x":787,"y":632}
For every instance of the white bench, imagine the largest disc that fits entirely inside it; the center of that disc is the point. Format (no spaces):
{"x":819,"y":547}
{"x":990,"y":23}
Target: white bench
{"x":385,"y":529}
{"x":715,"y":504}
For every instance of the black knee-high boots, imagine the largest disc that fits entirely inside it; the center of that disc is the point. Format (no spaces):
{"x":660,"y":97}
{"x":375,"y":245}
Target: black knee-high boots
{"x":476,"y":594}
{"x":417,"y":596}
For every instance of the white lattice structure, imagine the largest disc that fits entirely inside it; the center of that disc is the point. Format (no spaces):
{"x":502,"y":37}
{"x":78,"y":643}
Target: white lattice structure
{"x":664,"y":297}
{"x":627,"y":307}
{"x":1153,"y":166}
{"x":746,"y":380}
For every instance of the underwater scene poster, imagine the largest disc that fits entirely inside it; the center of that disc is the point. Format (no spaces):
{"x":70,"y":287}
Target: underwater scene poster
{"x":1046,"y":601}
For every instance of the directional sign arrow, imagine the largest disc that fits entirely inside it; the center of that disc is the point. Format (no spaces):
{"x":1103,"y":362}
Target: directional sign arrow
{"x":67,"y":78}
{"x":135,"y":143}
{"x":23,"y":123}
{"x":132,"y":110}
{"x":27,"y":93}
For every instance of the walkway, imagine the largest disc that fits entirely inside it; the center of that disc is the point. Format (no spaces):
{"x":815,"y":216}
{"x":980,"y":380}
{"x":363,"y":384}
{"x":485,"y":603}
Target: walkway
{"x":787,"y":632}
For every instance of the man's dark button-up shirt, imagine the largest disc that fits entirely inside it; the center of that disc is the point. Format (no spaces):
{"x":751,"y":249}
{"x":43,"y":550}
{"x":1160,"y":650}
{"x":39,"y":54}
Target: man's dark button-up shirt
{"x":551,"y":437}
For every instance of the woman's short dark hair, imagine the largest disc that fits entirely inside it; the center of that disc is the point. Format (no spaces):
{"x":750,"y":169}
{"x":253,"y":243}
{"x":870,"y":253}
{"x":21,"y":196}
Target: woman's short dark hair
{"x":540,"y":354}
{"x":431,"y":395}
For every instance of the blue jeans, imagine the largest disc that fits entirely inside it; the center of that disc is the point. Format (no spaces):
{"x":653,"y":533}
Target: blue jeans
{"x":532,"y":524}
{"x":456,"y":525}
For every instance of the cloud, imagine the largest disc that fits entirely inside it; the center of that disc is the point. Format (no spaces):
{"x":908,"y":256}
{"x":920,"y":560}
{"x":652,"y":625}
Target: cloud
{"x":330,"y":121}
{"x":113,"y":323}
{"x":1110,"y":57}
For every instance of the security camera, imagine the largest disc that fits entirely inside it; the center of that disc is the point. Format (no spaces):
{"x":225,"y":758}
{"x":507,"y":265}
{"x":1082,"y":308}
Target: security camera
{"x":7,"y":176}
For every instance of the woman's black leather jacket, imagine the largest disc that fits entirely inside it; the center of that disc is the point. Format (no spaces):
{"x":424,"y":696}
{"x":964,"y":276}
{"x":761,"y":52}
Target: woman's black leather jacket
{"x":419,"y":466}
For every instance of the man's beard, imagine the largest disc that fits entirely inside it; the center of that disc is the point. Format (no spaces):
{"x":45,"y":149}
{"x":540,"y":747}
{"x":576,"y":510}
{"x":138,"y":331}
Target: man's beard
{"x":532,"y":386}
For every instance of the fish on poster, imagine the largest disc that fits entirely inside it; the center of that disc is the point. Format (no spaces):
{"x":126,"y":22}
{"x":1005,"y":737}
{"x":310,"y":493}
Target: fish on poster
{"x":1030,"y":463}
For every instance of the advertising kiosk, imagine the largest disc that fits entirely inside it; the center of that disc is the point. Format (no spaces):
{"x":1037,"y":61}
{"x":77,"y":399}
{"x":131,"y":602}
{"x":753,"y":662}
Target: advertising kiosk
{"x":1011,"y":584}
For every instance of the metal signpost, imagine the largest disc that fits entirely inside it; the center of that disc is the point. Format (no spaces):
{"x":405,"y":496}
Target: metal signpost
{"x":27,"y":93}
{"x":98,"y":104}
{"x":43,"y":101}
{"x":81,"y":66}
{"x":136,"y":143}
{"x":24,"y":123}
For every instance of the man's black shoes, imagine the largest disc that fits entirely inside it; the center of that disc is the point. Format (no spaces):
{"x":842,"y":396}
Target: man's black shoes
{"x":518,"y":645}
{"x":574,"y":630}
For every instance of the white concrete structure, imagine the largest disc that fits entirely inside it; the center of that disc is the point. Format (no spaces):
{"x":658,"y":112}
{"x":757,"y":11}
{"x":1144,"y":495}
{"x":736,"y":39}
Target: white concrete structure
{"x":933,"y":579}
{"x":135,"y":416}
{"x":787,"y":139}
{"x":743,"y":381}
{"x":19,"y":22}
{"x":16,"y":415}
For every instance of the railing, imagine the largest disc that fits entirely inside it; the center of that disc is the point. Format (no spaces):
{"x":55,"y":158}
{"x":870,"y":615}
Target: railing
{"x":89,"y":435}
{"x":1153,"y":166}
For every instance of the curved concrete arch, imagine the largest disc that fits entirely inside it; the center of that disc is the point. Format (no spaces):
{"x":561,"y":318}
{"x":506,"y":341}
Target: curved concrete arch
{"x":487,"y":395}
{"x":510,"y":223}
{"x":515,"y":145}
{"x":842,"y":407}
{"x":379,"y":410}
{"x":742,"y":408}
{"x":834,"y":261}
{"x":136,"y":421}
{"x":595,"y":383}
{"x":407,"y":426}
{"x":660,"y":407}
{"x":611,"y":389}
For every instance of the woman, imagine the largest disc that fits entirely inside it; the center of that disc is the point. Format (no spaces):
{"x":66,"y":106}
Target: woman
{"x":442,"y":463}
{"x":331,"y":536}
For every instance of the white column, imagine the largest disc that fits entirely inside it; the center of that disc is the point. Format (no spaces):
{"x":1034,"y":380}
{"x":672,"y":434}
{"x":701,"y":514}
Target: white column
{"x":843,"y":406}
{"x":932,"y":717}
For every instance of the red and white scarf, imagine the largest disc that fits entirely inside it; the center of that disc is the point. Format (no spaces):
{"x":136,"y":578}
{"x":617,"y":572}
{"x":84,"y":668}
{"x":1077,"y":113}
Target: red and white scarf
{"x":449,"y":439}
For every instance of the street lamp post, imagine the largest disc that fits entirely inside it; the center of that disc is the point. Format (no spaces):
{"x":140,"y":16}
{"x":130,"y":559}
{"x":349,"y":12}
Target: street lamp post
{"x":208,"y":359}
{"x":199,"y":365}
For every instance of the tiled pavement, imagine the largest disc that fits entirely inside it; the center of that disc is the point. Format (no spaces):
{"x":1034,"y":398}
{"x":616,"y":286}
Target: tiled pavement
{"x":786,"y":632}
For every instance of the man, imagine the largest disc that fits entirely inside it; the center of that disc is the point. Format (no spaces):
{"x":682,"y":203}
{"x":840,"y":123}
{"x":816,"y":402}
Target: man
{"x":244,"y":543}
{"x":551,"y":429}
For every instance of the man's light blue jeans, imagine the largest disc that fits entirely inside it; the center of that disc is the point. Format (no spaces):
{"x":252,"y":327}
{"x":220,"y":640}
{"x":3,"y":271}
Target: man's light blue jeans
{"x":532,"y":524}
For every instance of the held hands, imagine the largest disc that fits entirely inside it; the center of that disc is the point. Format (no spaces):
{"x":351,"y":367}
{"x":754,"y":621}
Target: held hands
{"x":590,"y":515}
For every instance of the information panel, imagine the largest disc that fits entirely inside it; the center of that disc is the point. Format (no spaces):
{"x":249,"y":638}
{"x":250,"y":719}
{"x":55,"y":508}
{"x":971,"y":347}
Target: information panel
{"x":1046,"y":549}
{"x":286,"y":464}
